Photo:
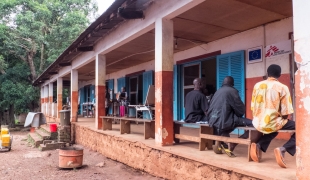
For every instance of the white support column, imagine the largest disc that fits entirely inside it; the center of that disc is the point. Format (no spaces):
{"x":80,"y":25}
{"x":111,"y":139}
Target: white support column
{"x":50,"y":99}
{"x":46,"y":100}
{"x":59,"y":97}
{"x":164,"y":82}
{"x":42,"y":100}
{"x":74,"y":94}
{"x":100,"y":89}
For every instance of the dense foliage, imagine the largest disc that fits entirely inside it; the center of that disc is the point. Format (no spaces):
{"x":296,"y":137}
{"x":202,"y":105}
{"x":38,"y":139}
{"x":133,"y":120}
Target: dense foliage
{"x":33,"y":33}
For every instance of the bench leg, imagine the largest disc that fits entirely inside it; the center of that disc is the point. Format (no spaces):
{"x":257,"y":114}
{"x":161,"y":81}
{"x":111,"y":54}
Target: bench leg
{"x":176,"y":128}
{"x":125,"y":127}
{"x":254,"y":137}
{"x":205,"y":143}
{"x":149,"y":130}
{"x":106,"y":124}
{"x":152,"y":130}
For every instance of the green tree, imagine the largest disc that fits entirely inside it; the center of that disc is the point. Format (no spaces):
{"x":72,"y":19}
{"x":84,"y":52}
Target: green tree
{"x":3,"y":65}
{"x":33,"y":33}
{"x":37,"y":31}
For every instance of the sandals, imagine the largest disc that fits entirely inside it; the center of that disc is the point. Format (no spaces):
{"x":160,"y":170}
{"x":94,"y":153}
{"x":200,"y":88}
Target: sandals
{"x":227,"y":151}
{"x":217,"y":148}
{"x":279,"y":157}
{"x":254,"y":152}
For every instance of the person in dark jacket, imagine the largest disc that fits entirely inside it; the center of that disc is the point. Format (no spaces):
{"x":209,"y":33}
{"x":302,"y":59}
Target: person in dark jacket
{"x":196,"y":103}
{"x":226,"y":111}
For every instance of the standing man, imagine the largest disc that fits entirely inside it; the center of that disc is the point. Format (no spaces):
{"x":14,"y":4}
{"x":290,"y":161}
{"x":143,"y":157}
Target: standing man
{"x":225,"y":114}
{"x":271,"y":104}
{"x":196,"y":103}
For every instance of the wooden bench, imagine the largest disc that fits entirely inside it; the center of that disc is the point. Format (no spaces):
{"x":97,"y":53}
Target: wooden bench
{"x":206,"y":136}
{"x":254,"y":135}
{"x":204,"y":129}
{"x":107,"y":122}
{"x":149,"y":125}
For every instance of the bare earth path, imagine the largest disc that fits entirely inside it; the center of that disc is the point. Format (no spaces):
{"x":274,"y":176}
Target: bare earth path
{"x":24,"y":162}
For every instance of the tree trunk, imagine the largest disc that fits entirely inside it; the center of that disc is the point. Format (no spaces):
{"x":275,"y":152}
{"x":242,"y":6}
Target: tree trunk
{"x":2,"y":71}
{"x":42,"y":58}
{"x":31,"y":65}
{"x":11,"y":117}
{"x":4,"y":117}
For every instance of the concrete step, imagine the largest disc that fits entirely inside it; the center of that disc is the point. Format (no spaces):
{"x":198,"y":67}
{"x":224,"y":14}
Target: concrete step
{"x":42,"y":147}
{"x":34,"y":139}
{"x":43,"y":134}
{"x":45,"y":128}
{"x":51,"y":146}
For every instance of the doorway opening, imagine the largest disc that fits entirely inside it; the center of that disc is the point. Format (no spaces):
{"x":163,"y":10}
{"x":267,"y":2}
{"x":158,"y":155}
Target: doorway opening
{"x":204,"y":69}
{"x":136,"y":89}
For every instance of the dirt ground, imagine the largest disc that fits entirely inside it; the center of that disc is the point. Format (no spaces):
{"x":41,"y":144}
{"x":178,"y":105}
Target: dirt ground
{"x":24,"y":162}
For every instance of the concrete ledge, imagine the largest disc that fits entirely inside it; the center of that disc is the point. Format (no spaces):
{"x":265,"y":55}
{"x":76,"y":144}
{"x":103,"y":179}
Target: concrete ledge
{"x":151,"y":159}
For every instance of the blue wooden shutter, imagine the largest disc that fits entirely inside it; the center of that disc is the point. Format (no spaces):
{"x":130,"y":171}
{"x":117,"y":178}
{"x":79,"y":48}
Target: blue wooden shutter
{"x":111,"y":84}
{"x":148,"y":79}
{"x":176,"y":92}
{"x":92,"y":92}
{"x":121,"y":82}
{"x":82,"y":99}
{"x":232,"y":64}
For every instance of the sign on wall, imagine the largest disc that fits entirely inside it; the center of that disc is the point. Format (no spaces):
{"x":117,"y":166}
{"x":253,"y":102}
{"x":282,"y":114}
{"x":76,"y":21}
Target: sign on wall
{"x":254,"y":54}
{"x":280,"y":48}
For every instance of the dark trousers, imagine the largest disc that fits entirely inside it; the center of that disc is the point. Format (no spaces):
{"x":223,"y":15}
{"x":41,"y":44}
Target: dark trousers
{"x":239,"y":122}
{"x":290,"y":145}
{"x":197,"y":118}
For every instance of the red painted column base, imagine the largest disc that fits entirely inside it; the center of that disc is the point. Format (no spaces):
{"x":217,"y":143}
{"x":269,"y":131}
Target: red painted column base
{"x":100,"y":105}
{"x":59,"y":106}
{"x":164,"y":107}
{"x":74,"y":105}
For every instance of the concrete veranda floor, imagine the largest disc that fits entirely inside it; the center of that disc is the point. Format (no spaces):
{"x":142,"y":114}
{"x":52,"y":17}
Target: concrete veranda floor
{"x":267,"y":169}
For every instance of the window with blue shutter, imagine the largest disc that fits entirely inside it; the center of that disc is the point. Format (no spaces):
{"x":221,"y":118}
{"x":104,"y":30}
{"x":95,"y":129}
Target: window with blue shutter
{"x":232,"y":64}
{"x":148,"y":79}
{"x":82,"y":99}
{"x":92,"y":93}
{"x":176,"y":92}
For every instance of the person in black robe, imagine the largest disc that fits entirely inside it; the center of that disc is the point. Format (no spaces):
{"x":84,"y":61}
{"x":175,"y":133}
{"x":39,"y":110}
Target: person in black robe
{"x":196,"y":104}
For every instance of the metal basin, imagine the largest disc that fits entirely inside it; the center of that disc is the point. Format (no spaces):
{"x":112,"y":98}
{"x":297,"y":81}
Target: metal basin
{"x":70,"y":157}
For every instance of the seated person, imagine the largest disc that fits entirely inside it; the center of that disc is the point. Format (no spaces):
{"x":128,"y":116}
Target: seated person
{"x":271,"y":104}
{"x":225,"y":113}
{"x":196,"y":104}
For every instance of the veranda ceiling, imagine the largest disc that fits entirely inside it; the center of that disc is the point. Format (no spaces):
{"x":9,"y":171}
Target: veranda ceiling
{"x":207,"y":22}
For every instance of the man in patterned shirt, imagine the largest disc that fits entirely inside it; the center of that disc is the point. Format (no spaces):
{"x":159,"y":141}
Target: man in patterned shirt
{"x":271,"y":104}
